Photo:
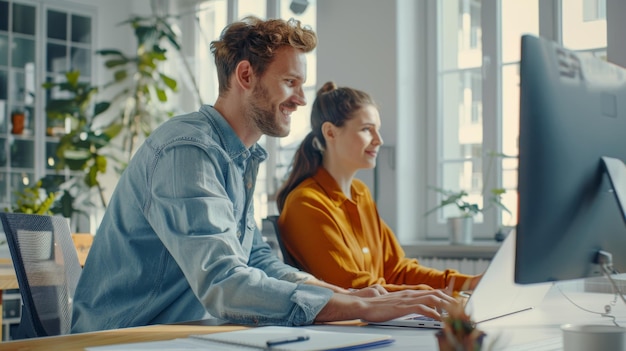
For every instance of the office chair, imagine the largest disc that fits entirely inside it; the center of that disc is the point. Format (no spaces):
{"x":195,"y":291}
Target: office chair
{"x":47,"y":269}
{"x":287,"y":258}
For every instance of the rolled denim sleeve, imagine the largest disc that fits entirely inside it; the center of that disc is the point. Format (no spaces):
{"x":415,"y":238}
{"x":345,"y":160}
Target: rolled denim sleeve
{"x":263,"y":258}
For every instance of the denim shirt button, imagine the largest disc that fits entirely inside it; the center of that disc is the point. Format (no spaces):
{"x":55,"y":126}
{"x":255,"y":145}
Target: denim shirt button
{"x":238,"y":234}
{"x":249,"y":185}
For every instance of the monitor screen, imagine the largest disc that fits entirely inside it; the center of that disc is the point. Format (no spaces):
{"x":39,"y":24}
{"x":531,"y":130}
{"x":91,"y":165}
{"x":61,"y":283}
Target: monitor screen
{"x":572,"y":114}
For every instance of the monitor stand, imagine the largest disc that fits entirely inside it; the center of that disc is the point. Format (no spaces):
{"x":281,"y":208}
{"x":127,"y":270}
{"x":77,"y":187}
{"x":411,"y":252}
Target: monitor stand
{"x":616,"y":170}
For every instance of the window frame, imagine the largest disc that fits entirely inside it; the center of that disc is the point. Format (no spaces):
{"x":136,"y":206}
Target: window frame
{"x":550,"y":26}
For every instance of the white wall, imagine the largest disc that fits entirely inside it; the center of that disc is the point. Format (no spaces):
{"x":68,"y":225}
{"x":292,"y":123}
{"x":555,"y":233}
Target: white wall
{"x":357,"y":48}
{"x":379,"y":47}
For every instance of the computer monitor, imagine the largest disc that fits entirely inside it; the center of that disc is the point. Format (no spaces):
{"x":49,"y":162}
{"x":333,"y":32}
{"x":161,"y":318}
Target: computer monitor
{"x":572,"y":114}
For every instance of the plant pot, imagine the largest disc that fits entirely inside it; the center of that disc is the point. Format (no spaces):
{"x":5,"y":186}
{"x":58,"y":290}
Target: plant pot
{"x":460,"y":230}
{"x":471,"y":342}
{"x":17,"y":120}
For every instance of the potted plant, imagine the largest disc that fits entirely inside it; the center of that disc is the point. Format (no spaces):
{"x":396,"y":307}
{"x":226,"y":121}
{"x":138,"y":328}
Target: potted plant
{"x":459,"y":332}
{"x":33,"y":200}
{"x":460,"y":225}
{"x":18,"y":118}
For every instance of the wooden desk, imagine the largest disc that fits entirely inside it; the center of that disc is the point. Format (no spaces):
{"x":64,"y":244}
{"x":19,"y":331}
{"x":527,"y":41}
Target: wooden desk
{"x":8,"y":280}
{"x":79,"y":342}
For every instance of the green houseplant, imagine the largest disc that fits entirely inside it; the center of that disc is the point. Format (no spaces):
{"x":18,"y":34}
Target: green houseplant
{"x":141,"y":86}
{"x":81,"y":147}
{"x":460,"y":226}
{"x":33,"y":200}
{"x":466,"y":208}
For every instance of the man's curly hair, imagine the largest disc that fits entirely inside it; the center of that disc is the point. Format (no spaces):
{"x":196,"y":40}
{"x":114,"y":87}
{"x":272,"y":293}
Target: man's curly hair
{"x":257,"y":41}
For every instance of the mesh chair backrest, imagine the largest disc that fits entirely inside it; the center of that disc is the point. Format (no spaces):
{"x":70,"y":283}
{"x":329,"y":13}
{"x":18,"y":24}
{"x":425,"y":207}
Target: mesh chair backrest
{"x":287,"y":258}
{"x":47,"y":268}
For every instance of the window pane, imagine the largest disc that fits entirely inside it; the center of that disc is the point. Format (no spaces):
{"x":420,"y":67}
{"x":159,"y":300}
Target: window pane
{"x":4,"y":85}
{"x":51,"y":155}
{"x":81,"y":29}
{"x":256,"y":8}
{"x":461,"y":113}
{"x":23,"y":16}
{"x":581,"y":30}
{"x":460,"y":110}
{"x":19,"y":181}
{"x":4,"y":195}
{"x":211,"y":20}
{"x":57,"y":25}
{"x":4,"y":16}
{"x":594,"y":10}
{"x":22,"y":85}
{"x":56,"y":59}
{"x":510,"y":109}
{"x":509,"y":183}
{"x":81,"y":61}
{"x":17,"y":87}
{"x":4,"y":50}
{"x":4,"y":112}
{"x":22,"y":154}
{"x":518,"y":17}
{"x":300,"y":121}
{"x":460,"y":34}
{"x":23,"y":52}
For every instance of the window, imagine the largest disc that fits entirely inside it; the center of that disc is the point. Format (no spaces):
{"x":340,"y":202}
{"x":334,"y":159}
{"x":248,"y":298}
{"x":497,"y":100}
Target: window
{"x":478,"y":86}
{"x":38,"y":41}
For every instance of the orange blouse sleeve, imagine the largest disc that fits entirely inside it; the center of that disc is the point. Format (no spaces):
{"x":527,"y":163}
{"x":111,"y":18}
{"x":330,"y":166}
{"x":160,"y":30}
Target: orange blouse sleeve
{"x":402,"y":272}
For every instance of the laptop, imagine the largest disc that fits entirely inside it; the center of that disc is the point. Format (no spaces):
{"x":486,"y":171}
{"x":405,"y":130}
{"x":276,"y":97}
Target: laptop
{"x":496,"y":295}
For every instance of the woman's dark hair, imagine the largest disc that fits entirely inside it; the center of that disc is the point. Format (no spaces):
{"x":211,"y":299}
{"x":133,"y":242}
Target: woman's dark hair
{"x":334,"y":105}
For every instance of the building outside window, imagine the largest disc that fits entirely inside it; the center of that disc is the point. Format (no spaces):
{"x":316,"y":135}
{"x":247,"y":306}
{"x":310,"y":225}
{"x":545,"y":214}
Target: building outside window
{"x":478,"y":93}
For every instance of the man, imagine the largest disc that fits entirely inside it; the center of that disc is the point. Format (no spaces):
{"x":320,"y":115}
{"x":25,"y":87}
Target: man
{"x":179,"y":242}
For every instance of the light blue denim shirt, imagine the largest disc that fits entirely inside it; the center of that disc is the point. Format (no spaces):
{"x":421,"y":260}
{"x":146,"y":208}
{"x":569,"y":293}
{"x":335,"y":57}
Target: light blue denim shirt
{"x":179,"y":242}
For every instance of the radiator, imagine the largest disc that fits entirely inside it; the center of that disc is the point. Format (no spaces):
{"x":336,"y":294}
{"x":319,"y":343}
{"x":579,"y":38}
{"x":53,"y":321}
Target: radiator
{"x":463,"y":265}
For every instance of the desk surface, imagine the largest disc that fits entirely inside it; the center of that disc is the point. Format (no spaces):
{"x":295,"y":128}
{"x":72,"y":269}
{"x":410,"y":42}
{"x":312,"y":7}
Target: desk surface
{"x":109,"y":337}
{"x":8,"y":279}
{"x":533,"y":326}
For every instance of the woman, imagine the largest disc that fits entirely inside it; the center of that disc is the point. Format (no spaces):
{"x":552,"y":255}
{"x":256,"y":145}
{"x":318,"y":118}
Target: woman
{"x":329,"y":221}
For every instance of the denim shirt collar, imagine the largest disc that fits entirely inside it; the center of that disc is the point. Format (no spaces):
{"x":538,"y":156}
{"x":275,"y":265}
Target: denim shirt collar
{"x":229,"y":139}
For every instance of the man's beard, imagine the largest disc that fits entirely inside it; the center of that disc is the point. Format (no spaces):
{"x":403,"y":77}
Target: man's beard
{"x":263,"y":115}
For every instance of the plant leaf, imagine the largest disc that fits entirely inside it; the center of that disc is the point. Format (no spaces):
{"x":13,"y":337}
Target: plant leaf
{"x":169,"y":82}
{"x":101,"y":107}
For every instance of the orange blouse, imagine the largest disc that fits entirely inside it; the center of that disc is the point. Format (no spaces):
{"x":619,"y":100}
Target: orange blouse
{"x":346,"y":243}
